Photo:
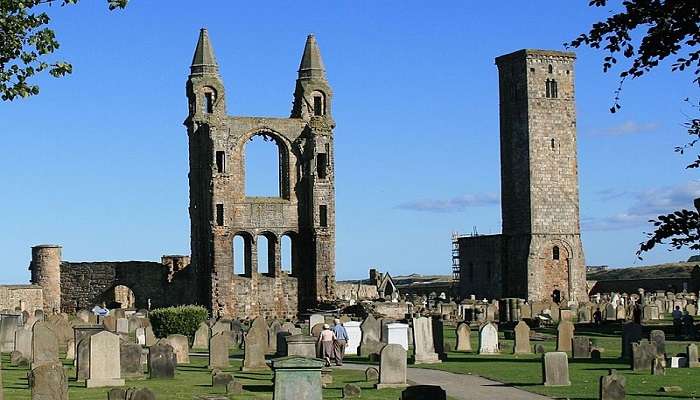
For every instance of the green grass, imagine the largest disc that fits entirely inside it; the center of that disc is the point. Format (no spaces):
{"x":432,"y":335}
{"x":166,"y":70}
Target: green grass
{"x":525,"y":371}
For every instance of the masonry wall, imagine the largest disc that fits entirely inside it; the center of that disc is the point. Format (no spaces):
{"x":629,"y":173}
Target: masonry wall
{"x":629,"y":286}
{"x":14,"y":296}
{"x":481,"y":263}
{"x":356,"y":291}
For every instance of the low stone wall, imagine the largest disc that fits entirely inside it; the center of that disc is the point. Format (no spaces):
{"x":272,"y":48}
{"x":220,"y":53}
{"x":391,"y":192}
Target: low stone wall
{"x":356,"y":291}
{"x":270,"y":297}
{"x":29,"y":296}
{"x":676,"y":285}
{"x":391,"y":310}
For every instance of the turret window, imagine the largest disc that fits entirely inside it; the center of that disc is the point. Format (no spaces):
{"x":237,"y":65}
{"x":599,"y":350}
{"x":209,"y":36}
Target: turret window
{"x":220,"y":162}
{"x":555,"y":253}
{"x":208,"y":103}
{"x":321,"y":165}
{"x":551,"y":90}
{"x":220,"y":214}
{"x":323,"y":216}
{"x":318,"y":106}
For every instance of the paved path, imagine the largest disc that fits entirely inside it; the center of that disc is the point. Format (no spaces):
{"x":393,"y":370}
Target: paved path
{"x":460,"y":386}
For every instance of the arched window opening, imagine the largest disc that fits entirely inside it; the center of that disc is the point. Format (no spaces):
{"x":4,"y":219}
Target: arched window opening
{"x":555,"y":253}
{"x":266,"y":254}
{"x":319,"y":104}
{"x":241,"y":255}
{"x":124,"y":297}
{"x":287,"y":254}
{"x":550,"y":69}
{"x":551,"y":90}
{"x":209,"y":99}
{"x":262,"y":167}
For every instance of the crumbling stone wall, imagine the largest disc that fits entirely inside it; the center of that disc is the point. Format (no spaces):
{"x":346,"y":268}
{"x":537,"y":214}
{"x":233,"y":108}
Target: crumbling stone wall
{"x":356,"y":291}
{"x":27,"y":297}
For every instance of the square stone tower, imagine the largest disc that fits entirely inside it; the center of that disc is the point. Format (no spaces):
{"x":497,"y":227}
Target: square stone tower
{"x":220,"y":211}
{"x":539,"y":177}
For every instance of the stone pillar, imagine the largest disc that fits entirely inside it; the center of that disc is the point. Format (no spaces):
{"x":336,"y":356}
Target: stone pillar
{"x":46,"y":272}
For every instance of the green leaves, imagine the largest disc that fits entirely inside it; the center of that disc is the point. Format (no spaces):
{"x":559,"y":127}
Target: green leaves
{"x":183,"y":320}
{"x":25,"y":40}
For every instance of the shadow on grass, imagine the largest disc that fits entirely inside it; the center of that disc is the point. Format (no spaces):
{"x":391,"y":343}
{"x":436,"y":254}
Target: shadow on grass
{"x":258,"y":388}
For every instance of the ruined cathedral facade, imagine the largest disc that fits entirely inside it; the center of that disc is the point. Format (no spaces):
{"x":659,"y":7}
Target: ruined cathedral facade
{"x":220,"y":210}
{"x":539,"y":255}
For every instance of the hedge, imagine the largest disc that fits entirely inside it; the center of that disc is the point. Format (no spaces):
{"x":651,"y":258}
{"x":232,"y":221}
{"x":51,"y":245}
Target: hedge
{"x":183,"y":320}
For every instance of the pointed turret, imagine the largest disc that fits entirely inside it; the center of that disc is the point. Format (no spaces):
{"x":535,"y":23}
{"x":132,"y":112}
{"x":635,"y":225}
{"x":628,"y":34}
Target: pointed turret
{"x":204,"y":61}
{"x":311,"y":65}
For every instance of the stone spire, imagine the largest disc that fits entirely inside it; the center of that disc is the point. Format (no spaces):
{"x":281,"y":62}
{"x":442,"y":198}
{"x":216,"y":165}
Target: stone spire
{"x":311,"y":65}
{"x":204,"y":61}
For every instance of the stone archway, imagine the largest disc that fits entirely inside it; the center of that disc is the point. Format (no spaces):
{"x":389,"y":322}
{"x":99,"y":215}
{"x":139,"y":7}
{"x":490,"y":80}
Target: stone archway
{"x":556,"y":258}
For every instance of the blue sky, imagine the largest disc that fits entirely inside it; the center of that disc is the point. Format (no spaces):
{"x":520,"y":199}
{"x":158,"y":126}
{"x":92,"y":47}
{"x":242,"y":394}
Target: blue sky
{"x":98,"y":161}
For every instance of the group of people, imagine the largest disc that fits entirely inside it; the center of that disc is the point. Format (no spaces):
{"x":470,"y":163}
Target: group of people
{"x":683,"y":323}
{"x":333,"y":343}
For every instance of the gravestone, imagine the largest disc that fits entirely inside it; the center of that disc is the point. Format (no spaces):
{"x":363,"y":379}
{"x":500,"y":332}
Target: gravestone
{"x":555,"y":369}
{"x":82,"y":361}
{"x":679,"y":362}
{"x":282,"y":343}
{"x":181,"y":346}
{"x":621,"y":313}
{"x":83,"y":316}
{"x":70,"y":350}
{"x":105,"y":359}
{"x":130,"y":360}
{"x":392,"y":367}
{"x":423,"y":392}
{"x":218,"y":351}
{"x":256,"y":346}
{"x":692,"y":352}
{"x":612,"y":386}
{"x":643,"y":354}
{"x":565,"y":333}
{"x":110,"y":323}
{"x":48,"y":382}
{"x":371,"y":374}
{"x":9,"y":323}
{"x":610,"y":312}
{"x":44,"y":345}
{"x":488,"y":339}
{"x":221,"y":326}
{"x":659,"y":337}
{"x":423,"y":344}
{"x":351,"y":391}
{"x":221,"y":379}
{"x":297,"y":378}
{"x":23,"y":342}
{"x":354,"y":336}
{"x":150,"y":337}
{"x":122,"y":325}
{"x":140,"y":336}
{"x":464,"y":342}
{"x":631,"y":333}
{"x":581,"y":347}
{"x":201,"y":337}
{"x":397,"y":333}
{"x":371,"y":340}
{"x":161,"y":361}
{"x":658,"y":366}
{"x":438,"y":337}
{"x":522,"y":339}
{"x":275,"y":327}
{"x":316,"y":319}
{"x":301,"y":345}
{"x":584,"y":314}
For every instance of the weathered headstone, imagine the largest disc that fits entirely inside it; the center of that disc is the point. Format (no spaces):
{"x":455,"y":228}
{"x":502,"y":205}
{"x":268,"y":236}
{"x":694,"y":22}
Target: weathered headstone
{"x":555,"y":369}
{"x":221,"y":379}
{"x":643,"y":353}
{"x":354,"y":336}
{"x":392,"y":367}
{"x":105,"y":359}
{"x":44,"y":345}
{"x":297,"y":378}
{"x":83,"y":316}
{"x":110,"y":323}
{"x":161,"y":361}
{"x":301,"y":345}
{"x":351,"y":391}
{"x":23,"y":342}
{"x":397,"y":333}
{"x":658,"y":366}
{"x":488,"y":339}
{"x":9,"y":323}
{"x":82,"y":361}
{"x":150,"y":337}
{"x":521,"y":344}
{"x":565,"y":333}
{"x":423,"y":344}
{"x":218,"y":351}
{"x":315,"y":319}
{"x":631,"y":333}
{"x":221,"y":326}
{"x":181,"y":346}
{"x":122,"y":325}
{"x":659,"y":337}
{"x":581,"y":347}
{"x":130,"y":360}
{"x":464,"y":342}
{"x":371,"y":340}
{"x":274,"y":328}
{"x":141,"y":336}
{"x":612,"y":386}
{"x":201,"y":337}
{"x":371,"y":374}
{"x":692,"y":351}
{"x":256,"y":346}
{"x":48,"y":382}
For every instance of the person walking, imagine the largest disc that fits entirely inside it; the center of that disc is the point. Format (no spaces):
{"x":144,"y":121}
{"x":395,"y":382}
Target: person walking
{"x":341,"y":341}
{"x":327,"y":339}
{"x":677,"y":323}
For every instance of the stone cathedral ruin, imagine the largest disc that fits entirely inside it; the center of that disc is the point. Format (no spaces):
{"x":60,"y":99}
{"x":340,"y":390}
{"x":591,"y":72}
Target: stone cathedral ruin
{"x":539,"y":252}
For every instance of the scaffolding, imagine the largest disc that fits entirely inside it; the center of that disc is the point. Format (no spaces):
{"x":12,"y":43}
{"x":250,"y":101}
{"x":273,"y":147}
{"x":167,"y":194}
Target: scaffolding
{"x":455,"y":257}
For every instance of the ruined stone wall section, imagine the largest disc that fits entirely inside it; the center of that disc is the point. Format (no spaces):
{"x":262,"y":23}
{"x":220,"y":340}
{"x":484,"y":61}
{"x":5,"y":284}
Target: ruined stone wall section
{"x":25,"y":297}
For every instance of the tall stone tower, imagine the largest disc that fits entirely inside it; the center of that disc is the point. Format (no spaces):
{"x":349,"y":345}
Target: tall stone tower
{"x":539,"y":176}
{"x":220,"y":211}
{"x":45,"y":270}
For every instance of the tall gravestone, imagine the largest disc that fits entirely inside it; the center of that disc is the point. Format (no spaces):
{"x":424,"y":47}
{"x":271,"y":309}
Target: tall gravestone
{"x":297,"y":378}
{"x":397,"y":333}
{"x":371,"y":336}
{"x":643,"y":355}
{"x":275,"y":327}
{"x":44,"y":345}
{"x":48,"y":382}
{"x":464,"y":342}
{"x":555,"y":369}
{"x":161,"y":361}
{"x":423,"y":344}
{"x":130,"y":360}
{"x":692,"y":351}
{"x":438,"y":337}
{"x":392,"y":367}
{"x":565,"y":333}
{"x":256,"y":346}
{"x":201,"y":337}
{"x":659,"y":337}
{"x":522,"y":339}
{"x":218,"y":351}
{"x":9,"y":323}
{"x":181,"y":346}
{"x":23,"y":342}
{"x":354,"y":336}
{"x":612,"y":386}
{"x":631,"y":333}
{"x":105,"y":367}
{"x":488,"y":339}
{"x":581,"y":347}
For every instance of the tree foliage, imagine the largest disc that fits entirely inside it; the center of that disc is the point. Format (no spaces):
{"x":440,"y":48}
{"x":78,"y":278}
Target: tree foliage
{"x":26,"y":41}
{"x":672,"y":30}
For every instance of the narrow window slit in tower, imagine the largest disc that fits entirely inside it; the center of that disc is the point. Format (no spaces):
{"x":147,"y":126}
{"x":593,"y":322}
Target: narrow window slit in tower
{"x":220,"y":215}
{"x":323,"y":216}
{"x":318,"y":106}
{"x":220,"y":162}
{"x":209,"y":102}
{"x":552,"y":143}
{"x":555,"y":253}
{"x":321,"y":165}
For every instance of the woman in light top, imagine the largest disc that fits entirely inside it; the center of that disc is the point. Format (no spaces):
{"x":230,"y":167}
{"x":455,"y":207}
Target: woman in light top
{"x":327,"y":340}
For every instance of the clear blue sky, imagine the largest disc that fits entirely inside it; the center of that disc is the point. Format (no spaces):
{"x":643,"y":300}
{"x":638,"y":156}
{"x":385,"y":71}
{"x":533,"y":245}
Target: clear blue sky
{"x":98,"y":161}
